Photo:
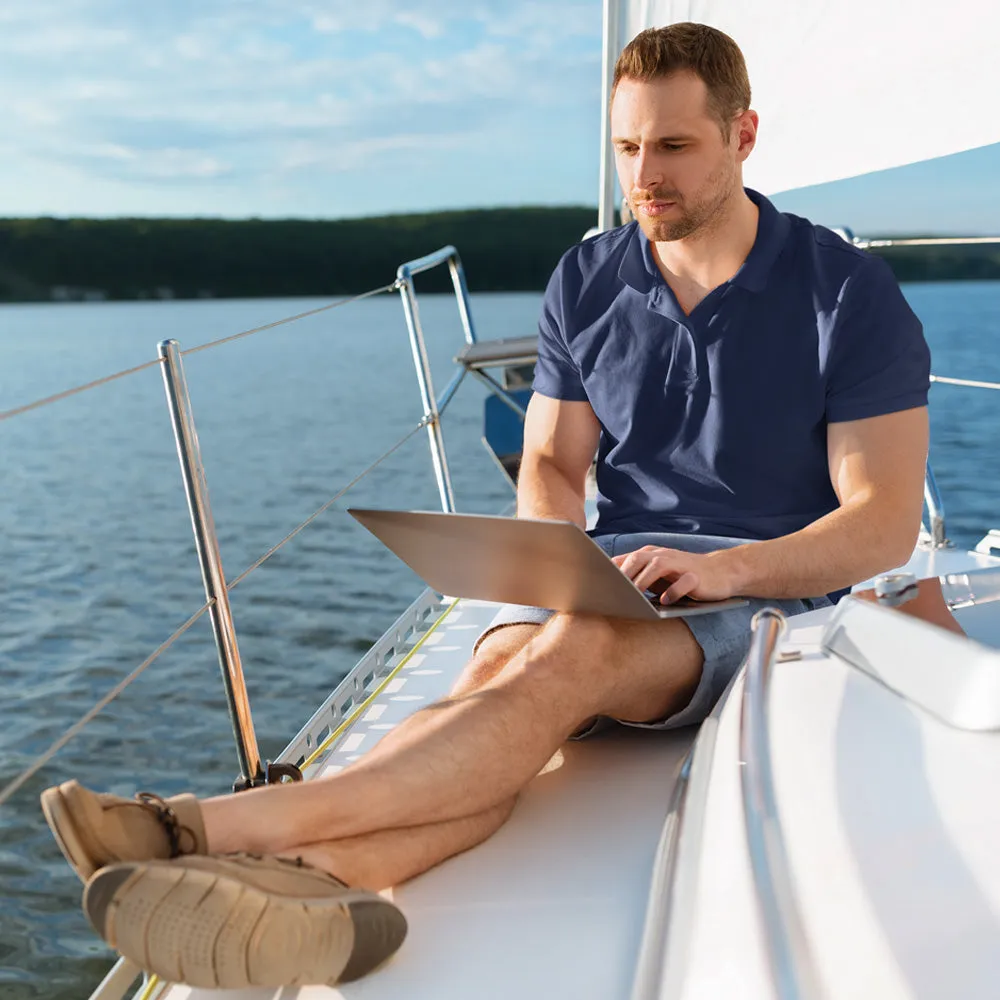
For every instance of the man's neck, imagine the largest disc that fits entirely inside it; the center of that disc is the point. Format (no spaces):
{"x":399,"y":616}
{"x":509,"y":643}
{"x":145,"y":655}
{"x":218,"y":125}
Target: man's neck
{"x":697,"y":264}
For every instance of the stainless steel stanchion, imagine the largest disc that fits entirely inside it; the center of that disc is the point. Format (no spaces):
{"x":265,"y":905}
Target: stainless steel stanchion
{"x":935,"y":511}
{"x":207,"y":545}
{"x":423,"y":367}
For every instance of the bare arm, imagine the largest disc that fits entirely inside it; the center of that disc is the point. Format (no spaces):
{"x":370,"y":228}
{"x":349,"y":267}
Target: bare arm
{"x":877,"y":470}
{"x":560,"y":440}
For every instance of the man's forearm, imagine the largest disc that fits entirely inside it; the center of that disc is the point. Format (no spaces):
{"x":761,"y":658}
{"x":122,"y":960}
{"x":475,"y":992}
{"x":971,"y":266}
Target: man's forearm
{"x":544,"y":492}
{"x":843,"y":548}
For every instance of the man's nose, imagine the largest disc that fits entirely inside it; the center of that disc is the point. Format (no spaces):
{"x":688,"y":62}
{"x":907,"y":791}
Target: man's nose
{"x":648,"y":173}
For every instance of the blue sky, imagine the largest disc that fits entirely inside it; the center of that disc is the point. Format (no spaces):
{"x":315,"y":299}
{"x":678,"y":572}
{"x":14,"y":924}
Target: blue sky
{"x":279,"y":108}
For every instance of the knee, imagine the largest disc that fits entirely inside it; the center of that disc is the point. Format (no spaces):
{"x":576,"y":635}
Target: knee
{"x":494,"y":652}
{"x":577,"y":647}
{"x":591,"y":635}
{"x":480,"y":670}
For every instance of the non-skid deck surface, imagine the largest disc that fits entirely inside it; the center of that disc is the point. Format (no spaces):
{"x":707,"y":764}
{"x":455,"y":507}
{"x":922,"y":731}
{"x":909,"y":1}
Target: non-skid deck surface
{"x":552,"y":906}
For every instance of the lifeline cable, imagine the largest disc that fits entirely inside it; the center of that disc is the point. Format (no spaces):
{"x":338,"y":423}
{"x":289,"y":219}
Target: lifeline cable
{"x":42,"y":759}
{"x":312,"y":517}
{"x":47,"y":755}
{"x":66,"y":393}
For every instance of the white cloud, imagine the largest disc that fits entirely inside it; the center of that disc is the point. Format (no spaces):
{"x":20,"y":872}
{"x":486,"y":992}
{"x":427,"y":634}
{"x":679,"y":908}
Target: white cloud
{"x":167,"y":163}
{"x":221,"y":92}
{"x":31,"y":111}
{"x":427,"y":27}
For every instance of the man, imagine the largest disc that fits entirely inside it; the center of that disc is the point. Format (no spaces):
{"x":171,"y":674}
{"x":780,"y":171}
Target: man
{"x":755,"y":389}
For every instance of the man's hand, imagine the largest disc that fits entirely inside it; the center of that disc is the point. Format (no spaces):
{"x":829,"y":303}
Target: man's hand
{"x":673,"y":574}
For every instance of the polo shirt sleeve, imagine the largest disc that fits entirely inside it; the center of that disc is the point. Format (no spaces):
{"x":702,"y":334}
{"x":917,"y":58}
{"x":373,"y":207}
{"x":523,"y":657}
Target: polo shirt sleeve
{"x":557,"y":375}
{"x":879,"y":361}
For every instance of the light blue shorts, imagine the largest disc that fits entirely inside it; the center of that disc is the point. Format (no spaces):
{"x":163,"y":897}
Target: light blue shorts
{"x":724,"y":636}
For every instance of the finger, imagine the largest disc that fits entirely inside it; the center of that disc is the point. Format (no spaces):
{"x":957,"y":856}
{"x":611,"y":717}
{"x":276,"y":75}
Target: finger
{"x":656,"y":576}
{"x":681,"y":587}
{"x":633,"y":563}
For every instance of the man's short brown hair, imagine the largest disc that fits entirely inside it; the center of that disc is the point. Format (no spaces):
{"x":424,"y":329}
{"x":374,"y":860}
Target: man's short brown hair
{"x":707,"y":52}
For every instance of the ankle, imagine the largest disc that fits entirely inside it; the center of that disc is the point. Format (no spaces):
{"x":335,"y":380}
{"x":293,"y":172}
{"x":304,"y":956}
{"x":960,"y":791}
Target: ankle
{"x":322,"y":857}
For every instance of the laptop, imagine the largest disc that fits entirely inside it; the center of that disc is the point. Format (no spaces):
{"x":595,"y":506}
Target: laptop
{"x":546,"y":564}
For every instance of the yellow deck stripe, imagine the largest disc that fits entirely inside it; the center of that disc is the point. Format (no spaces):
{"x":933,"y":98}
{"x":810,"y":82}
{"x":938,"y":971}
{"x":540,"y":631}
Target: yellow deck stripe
{"x":149,"y":989}
{"x":392,"y":673}
{"x":154,"y":981}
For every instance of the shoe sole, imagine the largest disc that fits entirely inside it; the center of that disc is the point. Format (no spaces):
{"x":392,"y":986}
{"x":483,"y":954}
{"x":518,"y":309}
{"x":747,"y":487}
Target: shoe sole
{"x":215,"y":931}
{"x":58,"y":815}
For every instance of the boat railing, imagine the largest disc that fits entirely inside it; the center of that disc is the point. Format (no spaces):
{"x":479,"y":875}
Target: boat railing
{"x":433,"y":406}
{"x":937,"y":537}
{"x":170,"y":358}
{"x":790,"y":958}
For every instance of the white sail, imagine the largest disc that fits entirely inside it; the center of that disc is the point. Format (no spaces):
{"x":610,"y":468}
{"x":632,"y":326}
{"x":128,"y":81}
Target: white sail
{"x":845,"y":87}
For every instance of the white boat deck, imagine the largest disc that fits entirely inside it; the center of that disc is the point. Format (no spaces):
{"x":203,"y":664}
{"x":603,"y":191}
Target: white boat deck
{"x":551,"y":906}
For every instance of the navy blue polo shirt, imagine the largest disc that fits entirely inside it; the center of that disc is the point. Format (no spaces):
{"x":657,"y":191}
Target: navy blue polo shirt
{"x":716,"y":422}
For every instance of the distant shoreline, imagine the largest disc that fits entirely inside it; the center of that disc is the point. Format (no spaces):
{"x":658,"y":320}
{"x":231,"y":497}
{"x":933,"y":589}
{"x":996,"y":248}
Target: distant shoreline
{"x":503,"y":249}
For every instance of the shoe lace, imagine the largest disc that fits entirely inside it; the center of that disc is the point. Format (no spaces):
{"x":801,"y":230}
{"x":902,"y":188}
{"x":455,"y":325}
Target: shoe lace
{"x":168,"y":820}
{"x":295,"y":862}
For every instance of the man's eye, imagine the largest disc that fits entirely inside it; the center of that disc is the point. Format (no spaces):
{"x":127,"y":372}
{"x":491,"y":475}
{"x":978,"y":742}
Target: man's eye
{"x":627,"y":150}
{"x":673,"y":147}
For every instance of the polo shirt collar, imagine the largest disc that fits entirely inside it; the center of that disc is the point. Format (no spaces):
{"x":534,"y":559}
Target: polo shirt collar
{"x":772,"y":231}
{"x":638,"y":268}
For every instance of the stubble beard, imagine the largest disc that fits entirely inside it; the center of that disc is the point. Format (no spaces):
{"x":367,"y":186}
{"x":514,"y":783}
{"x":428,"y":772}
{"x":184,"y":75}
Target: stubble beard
{"x":703,"y":212}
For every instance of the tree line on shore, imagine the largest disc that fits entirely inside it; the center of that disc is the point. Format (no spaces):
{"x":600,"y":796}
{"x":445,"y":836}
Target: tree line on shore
{"x":503,"y":249}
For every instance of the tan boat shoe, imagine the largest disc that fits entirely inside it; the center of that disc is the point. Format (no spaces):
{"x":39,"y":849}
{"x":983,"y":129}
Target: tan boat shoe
{"x":93,"y":829}
{"x":240,"y":920}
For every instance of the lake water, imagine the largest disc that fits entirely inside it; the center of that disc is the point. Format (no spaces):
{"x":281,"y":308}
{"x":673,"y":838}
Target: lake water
{"x":97,"y":563}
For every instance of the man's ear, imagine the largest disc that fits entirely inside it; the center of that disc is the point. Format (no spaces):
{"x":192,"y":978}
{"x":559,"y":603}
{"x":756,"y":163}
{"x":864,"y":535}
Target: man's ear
{"x":745,"y":128}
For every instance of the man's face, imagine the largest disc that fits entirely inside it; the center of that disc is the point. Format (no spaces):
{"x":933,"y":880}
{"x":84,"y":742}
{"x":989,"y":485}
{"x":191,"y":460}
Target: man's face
{"x":674,"y":166}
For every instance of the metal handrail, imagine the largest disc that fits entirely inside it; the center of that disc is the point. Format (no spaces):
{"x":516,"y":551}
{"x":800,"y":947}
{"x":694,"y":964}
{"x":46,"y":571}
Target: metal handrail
{"x":662,"y":964}
{"x":789,"y":956}
{"x":607,"y":180}
{"x":926,"y":241}
{"x":406,"y":272}
{"x":935,"y":510}
{"x":650,"y":965}
{"x":432,"y":405}
{"x":968,"y":382}
{"x":210,"y":559}
{"x":450,"y":389}
{"x":500,"y":392}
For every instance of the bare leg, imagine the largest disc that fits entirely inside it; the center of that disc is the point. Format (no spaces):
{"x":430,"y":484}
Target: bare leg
{"x":470,"y":753}
{"x":493,"y":654}
{"x":388,"y":857}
